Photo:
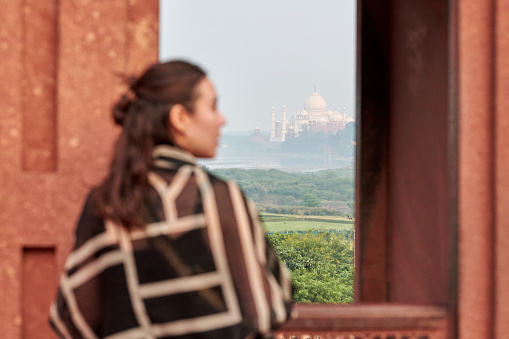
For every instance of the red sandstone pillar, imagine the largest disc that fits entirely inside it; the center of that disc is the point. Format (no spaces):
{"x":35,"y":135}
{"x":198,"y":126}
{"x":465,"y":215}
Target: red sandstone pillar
{"x":501,"y":146}
{"x":59,"y":66}
{"x":483,"y":61}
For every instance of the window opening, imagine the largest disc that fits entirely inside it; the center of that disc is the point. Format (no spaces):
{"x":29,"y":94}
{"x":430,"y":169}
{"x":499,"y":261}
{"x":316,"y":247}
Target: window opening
{"x":285,"y":75}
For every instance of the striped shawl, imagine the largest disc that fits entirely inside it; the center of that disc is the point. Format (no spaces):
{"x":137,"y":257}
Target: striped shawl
{"x":201,"y":268}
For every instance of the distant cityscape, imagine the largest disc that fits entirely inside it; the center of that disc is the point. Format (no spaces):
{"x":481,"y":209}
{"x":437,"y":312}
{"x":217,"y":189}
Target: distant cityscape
{"x":314,"y":138}
{"x":315,"y":117}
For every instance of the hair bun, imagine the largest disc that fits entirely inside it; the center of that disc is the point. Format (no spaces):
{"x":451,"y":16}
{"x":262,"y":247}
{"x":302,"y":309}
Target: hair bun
{"x":121,"y":109}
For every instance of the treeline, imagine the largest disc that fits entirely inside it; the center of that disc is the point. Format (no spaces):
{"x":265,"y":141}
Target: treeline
{"x":300,"y":210}
{"x":327,"y":192}
{"x":321,"y":265}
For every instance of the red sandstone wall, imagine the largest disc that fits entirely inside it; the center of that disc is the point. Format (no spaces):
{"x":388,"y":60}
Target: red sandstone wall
{"x":483,"y":82}
{"x":59,"y":61}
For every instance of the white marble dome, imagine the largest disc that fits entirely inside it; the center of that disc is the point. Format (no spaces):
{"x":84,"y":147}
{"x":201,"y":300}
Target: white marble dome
{"x":315,"y":103}
{"x":336,"y":116}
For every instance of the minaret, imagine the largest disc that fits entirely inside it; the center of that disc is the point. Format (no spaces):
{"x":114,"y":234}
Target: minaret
{"x":273,"y":125}
{"x":283,"y":127}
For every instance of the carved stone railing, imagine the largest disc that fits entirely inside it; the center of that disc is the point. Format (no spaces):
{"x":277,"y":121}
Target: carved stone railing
{"x":360,"y":321}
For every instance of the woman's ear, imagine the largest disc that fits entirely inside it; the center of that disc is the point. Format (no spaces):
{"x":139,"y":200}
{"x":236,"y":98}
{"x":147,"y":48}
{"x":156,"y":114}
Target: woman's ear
{"x":179,"y":118}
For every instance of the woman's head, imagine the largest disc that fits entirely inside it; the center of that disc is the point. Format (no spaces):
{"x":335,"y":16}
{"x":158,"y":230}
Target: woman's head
{"x":198,"y":131}
{"x":143,"y":111}
{"x":170,"y":103}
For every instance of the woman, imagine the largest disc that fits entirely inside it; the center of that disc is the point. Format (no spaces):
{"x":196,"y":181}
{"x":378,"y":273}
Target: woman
{"x":164,"y":249}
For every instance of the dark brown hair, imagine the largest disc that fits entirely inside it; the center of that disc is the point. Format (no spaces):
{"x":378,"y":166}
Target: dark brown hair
{"x":143,"y":113}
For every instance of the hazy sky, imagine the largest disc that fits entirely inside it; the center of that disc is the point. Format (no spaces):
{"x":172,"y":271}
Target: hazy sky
{"x":265,"y":53}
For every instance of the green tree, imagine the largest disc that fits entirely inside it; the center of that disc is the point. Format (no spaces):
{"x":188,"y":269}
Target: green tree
{"x":321,"y":265}
{"x":311,"y":200}
{"x":255,"y":191}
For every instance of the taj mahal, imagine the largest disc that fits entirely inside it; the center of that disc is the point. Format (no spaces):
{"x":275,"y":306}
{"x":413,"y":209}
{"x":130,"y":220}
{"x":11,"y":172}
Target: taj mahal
{"x":314,"y":115}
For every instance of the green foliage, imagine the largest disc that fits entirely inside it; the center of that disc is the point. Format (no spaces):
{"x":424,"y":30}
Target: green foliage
{"x":255,"y":191}
{"x":321,"y":262}
{"x":305,"y":225}
{"x":288,"y":192}
{"x":311,"y":200}
{"x":299,"y":210}
{"x":321,"y":265}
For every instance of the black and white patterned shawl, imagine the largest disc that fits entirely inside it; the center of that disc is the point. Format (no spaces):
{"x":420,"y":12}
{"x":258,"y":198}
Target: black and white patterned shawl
{"x":201,"y":268}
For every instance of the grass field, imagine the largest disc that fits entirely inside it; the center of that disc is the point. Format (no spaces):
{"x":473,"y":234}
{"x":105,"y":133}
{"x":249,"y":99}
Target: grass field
{"x":283,"y":223}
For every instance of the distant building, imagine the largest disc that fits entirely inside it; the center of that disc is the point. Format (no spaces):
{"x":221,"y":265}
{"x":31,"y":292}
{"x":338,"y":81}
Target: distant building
{"x":314,"y":115}
{"x":257,"y":135}
{"x":278,"y":129}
